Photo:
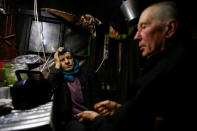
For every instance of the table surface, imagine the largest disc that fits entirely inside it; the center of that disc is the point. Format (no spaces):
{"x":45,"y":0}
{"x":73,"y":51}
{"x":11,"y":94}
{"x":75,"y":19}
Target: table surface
{"x":26,"y":119}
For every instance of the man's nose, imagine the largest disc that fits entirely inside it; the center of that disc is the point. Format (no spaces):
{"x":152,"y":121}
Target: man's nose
{"x":137,"y":35}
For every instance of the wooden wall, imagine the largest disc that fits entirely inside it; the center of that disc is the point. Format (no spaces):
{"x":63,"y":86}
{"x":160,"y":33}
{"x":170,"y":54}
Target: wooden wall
{"x":7,"y":37}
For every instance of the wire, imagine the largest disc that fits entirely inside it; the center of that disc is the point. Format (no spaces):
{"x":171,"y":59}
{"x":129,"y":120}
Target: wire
{"x":105,"y":56}
{"x":40,"y":29}
{"x":46,"y":63}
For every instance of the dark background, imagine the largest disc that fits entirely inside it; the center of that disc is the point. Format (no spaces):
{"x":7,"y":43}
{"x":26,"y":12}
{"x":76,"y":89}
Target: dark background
{"x":122,"y":54}
{"x":106,"y":10}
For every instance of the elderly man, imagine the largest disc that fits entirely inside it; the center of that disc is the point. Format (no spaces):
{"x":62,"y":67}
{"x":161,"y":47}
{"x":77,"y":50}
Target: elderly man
{"x":165,"y":84}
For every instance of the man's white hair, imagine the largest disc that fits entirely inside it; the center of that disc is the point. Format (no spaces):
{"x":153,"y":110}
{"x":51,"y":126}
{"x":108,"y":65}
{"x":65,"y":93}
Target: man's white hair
{"x":164,"y":11}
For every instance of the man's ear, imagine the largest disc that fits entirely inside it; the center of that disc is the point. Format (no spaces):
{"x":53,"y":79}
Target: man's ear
{"x":172,"y":26}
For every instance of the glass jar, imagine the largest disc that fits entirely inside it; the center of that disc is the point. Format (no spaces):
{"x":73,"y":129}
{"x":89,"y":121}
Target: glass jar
{"x":10,"y":69}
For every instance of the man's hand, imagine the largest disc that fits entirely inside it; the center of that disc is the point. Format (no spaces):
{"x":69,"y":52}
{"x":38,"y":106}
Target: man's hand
{"x":106,"y":107}
{"x":56,"y":59}
{"x":87,"y":115}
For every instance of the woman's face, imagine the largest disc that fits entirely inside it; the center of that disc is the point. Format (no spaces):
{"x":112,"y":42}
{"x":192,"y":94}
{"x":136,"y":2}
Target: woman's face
{"x":67,"y":62}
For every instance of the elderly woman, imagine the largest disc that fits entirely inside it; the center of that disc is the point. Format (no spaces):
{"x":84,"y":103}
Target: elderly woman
{"x":75,"y":90}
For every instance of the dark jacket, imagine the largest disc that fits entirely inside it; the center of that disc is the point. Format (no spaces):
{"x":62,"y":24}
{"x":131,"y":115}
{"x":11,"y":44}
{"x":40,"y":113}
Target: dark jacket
{"x":62,"y":106}
{"x":165,"y":89}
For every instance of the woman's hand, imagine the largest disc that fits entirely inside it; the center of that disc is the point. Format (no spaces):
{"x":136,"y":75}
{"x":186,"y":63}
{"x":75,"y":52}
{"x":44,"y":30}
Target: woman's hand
{"x":87,"y":115}
{"x":56,"y":59}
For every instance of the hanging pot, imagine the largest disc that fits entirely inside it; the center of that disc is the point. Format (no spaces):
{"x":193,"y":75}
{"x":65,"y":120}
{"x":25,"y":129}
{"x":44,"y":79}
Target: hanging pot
{"x":129,"y":8}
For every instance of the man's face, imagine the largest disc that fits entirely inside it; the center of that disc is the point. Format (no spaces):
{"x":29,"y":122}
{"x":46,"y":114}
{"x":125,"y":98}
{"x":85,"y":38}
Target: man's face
{"x":67,"y":62}
{"x":150,"y":34}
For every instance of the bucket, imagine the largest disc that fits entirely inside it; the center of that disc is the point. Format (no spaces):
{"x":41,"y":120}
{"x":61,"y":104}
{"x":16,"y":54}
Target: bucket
{"x":129,"y":8}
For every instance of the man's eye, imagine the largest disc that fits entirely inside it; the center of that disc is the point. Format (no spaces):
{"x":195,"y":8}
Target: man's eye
{"x":143,"y":27}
